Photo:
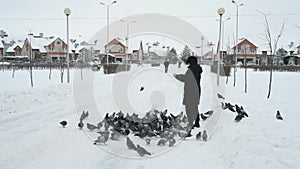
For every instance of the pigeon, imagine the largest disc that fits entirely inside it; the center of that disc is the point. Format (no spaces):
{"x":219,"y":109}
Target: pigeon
{"x":204,"y":136}
{"x":84,"y":115}
{"x":130,"y":144}
{"x":223,"y":106}
{"x":99,"y":125}
{"x":238,"y":118}
{"x":220,"y":96}
{"x":244,"y":112}
{"x":101,"y":139}
{"x":80,"y":125}
{"x":115,"y":136}
{"x":148,"y":140}
{"x":278,"y":115}
{"x":229,"y":106}
{"x":209,"y":112}
{"x":63,"y":123}
{"x":142,"y":88}
{"x":183,"y":134}
{"x":141,"y":151}
{"x":172,"y":142}
{"x":203,"y":117}
{"x":198,"y":136}
{"x":162,"y":141}
{"x":91,"y":127}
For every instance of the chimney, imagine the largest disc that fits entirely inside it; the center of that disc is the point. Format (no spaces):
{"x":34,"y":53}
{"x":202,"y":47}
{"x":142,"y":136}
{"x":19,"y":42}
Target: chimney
{"x":41,"y":35}
{"x":265,"y":53}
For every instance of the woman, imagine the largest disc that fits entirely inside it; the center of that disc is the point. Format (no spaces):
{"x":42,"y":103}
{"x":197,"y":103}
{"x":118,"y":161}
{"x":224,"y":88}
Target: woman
{"x":192,"y":91}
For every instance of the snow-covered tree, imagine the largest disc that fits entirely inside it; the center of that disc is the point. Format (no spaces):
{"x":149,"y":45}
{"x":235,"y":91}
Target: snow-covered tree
{"x":172,"y":56}
{"x":185,"y":53}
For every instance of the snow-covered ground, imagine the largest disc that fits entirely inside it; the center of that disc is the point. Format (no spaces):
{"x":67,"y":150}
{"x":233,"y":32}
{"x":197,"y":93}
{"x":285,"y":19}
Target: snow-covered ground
{"x":31,"y":136}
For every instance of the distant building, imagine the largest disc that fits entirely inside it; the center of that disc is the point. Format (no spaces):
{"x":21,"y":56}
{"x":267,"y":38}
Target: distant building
{"x":1,"y":49}
{"x":117,"y":49}
{"x":15,"y":49}
{"x":245,"y":50}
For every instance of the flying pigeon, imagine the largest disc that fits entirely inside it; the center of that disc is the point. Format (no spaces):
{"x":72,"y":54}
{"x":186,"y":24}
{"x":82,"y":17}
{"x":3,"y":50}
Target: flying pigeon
{"x":198,"y":136}
{"x":91,"y":127}
{"x":142,"y":88}
{"x":220,"y":96}
{"x":63,"y":123}
{"x":84,"y":115}
{"x":130,"y":144}
{"x":141,"y":151}
{"x":204,"y":136}
{"x":278,"y":115}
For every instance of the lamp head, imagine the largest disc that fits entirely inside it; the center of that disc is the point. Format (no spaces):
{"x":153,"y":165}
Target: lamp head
{"x":221,"y":11}
{"x":67,"y":11}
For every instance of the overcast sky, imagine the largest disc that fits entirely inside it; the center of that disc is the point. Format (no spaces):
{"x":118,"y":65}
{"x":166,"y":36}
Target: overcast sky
{"x":18,"y":17}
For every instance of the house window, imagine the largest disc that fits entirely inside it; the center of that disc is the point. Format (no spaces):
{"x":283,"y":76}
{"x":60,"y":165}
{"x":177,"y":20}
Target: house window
{"x":58,"y":43}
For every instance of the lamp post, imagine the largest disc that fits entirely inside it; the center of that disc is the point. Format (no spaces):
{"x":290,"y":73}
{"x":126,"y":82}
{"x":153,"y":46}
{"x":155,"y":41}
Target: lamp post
{"x":202,"y":39}
{"x":223,"y":32}
{"x":236,"y":36}
{"x":30,"y":59}
{"x":126,"y":38}
{"x":220,"y":11}
{"x":67,"y":12}
{"x":107,"y":22}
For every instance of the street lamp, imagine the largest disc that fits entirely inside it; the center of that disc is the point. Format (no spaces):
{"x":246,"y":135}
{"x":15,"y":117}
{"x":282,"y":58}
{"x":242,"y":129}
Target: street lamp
{"x":202,"y":39}
{"x":126,"y":38}
{"x":223,"y":31}
{"x":107,"y":31}
{"x":236,"y":36}
{"x":220,"y":11}
{"x":67,"y":12}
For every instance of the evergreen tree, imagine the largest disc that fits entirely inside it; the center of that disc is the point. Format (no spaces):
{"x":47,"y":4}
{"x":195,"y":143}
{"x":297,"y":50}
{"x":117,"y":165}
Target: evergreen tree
{"x":185,"y":53}
{"x":172,"y":56}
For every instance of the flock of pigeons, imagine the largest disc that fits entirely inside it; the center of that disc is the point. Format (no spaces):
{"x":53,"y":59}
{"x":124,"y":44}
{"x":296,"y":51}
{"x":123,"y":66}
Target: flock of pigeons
{"x":161,"y":125}
{"x":241,"y":113}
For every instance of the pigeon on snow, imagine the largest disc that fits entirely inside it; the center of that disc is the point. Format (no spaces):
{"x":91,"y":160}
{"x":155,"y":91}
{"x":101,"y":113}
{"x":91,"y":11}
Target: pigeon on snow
{"x":80,"y":125}
{"x":130,"y":144}
{"x":91,"y":126}
{"x":198,"y":136}
{"x":220,"y":96}
{"x":204,"y":136}
{"x":278,"y":115}
{"x":63,"y":123}
{"x":141,"y":151}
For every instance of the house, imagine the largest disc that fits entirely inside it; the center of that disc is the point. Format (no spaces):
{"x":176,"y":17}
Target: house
{"x":34,"y":48}
{"x":245,"y":50}
{"x":57,"y":49}
{"x":15,"y":49}
{"x":1,"y":49}
{"x":117,"y":49}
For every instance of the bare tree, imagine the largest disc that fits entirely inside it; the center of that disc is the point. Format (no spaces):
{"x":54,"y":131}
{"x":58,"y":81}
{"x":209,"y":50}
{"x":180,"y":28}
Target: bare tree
{"x":272,"y":45}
